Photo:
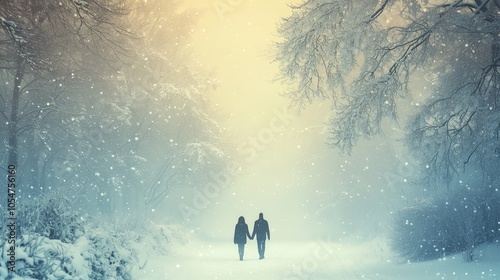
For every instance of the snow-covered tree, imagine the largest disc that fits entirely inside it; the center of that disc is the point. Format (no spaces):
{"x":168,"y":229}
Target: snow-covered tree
{"x":109,"y":105}
{"x":366,"y":55}
{"x":168,"y":96}
{"x":45,"y":49}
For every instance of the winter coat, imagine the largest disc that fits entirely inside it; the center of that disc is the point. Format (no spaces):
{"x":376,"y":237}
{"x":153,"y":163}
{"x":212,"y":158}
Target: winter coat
{"x":240,"y":233}
{"x":261,"y":229}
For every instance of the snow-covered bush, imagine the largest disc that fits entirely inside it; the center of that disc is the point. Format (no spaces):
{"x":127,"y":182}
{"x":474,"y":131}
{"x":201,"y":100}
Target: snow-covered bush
{"x":97,"y":255}
{"x":51,"y":216}
{"x":112,"y":253}
{"x":54,"y":241}
{"x":101,"y":252}
{"x":447,"y":225}
{"x":415,"y":231}
{"x":108,"y":255}
{"x":37,"y":257}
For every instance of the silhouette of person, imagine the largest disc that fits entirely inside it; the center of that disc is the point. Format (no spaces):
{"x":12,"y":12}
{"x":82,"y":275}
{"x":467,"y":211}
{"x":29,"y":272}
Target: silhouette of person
{"x":240,"y":236}
{"x":261,"y":229}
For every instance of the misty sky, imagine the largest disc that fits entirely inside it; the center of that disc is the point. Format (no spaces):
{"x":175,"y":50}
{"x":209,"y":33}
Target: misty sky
{"x":295,"y":179}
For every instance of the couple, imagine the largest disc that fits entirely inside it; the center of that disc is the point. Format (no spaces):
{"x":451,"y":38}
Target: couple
{"x":260,"y":228}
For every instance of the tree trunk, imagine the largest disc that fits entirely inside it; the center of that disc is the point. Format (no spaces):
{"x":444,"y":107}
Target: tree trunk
{"x":495,"y":58}
{"x":32,"y":169}
{"x":16,"y":96}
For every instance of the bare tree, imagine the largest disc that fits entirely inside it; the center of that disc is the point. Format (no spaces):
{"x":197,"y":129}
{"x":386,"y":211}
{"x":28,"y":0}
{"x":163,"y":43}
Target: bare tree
{"x":45,"y":47}
{"x":178,"y":135}
{"x":103,"y":101}
{"x":365,"y":54}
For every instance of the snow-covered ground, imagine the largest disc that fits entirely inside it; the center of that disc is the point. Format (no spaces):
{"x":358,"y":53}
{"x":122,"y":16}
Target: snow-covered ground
{"x":315,"y":260}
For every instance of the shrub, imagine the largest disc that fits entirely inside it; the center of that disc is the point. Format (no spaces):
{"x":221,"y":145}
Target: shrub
{"x":108,"y":255}
{"x":53,"y":242}
{"x":100,"y":255}
{"x":51,"y":216}
{"x":38,"y":257}
{"x":446,"y":225}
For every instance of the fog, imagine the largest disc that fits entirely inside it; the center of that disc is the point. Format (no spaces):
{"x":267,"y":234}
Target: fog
{"x":137,"y":133}
{"x":288,"y":172}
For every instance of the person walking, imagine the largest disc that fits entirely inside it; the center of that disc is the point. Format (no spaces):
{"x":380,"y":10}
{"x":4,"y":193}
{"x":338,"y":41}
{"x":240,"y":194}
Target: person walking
{"x":261,"y":229}
{"x":240,"y":236}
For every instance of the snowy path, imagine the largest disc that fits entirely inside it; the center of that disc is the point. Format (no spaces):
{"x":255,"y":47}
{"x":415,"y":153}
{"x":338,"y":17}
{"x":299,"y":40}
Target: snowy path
{"x":220,"y":261}
{"x":318,"y":261}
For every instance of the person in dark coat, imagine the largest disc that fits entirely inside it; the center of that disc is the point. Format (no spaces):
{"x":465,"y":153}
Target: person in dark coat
{"x":240,"y":236}
{"x":261,"y":229}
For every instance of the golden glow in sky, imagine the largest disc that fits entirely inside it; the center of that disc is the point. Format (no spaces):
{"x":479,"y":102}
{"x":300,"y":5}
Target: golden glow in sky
{"x":234,"y":39}
{"x":288,"y":171}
